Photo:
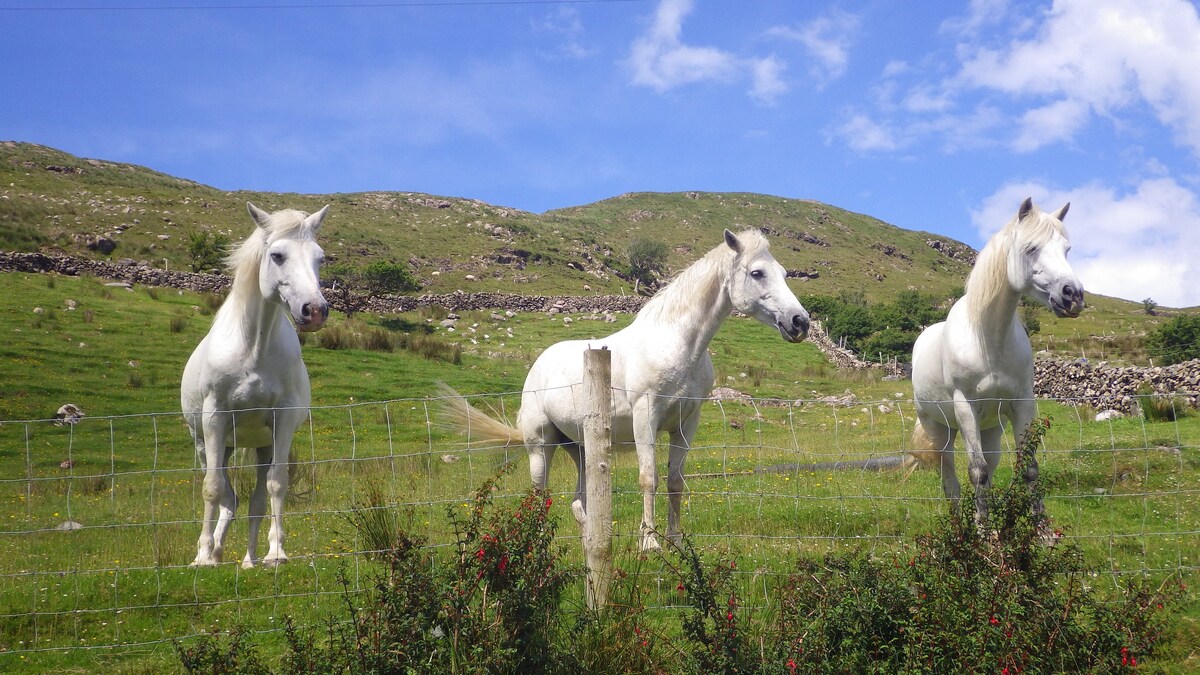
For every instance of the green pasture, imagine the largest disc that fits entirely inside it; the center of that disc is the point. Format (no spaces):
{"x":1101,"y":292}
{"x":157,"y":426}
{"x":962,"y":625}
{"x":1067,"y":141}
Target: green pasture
{"x":115,"y":593}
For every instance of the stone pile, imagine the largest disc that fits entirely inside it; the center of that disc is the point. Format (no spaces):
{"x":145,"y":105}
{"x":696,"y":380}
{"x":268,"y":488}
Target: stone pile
{"x":1106,"y":387}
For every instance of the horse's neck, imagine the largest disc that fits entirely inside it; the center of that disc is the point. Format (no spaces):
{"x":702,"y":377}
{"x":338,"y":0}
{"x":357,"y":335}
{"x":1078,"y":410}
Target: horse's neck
{"x":694,"y":323}
{"x":993,"y":320}
{"x":251,"y":320}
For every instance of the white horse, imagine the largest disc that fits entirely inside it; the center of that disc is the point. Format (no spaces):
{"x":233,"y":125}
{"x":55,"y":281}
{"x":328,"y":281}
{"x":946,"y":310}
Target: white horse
{"x":661,"y":372}
{"x":245,"y":385}
{"x":976,"y":367}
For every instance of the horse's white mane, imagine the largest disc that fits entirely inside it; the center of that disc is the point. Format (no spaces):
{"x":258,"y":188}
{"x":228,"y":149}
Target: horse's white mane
{"x":989,"y":277}
{"x":242,"y":263}
{"x":702,"y":281}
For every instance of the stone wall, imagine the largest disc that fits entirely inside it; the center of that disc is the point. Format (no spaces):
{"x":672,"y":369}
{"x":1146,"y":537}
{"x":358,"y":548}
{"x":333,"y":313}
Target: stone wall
{"x":1106,"y":387}
{"x":1100,"y":385}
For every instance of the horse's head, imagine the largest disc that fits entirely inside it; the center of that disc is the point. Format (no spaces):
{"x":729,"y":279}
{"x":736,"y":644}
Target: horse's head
{"x":1038,"y":260}
{"x":758,"y":286}
{"x":289,"y":271}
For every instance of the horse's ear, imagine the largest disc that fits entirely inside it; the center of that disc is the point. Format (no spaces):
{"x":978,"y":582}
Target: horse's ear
{"x":1062,"y":213}
{"x":1026,"y":208}
{"x":732,"y":242}
{"x":261,"y":218}
{"x":313,"y":222}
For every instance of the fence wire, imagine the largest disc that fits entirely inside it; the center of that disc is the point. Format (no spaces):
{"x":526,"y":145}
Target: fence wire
{"x":101,"y":516}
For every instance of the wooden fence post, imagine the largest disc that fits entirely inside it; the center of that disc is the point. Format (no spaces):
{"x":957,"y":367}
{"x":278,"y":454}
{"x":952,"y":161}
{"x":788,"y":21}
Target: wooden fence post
{"x":595,"y":517}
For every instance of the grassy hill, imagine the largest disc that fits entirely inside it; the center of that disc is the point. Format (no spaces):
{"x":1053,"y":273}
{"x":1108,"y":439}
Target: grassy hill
{"x":53,"y":200}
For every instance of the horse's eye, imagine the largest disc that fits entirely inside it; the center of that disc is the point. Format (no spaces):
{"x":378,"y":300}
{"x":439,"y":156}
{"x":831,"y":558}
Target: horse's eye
{"x":1031,"y":250}
{"x":277,"y":258}
{"x":757,"y":274}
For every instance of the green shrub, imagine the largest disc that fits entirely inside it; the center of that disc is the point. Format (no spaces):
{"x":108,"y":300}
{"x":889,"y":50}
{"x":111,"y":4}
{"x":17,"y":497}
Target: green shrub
{"x":646,"y":259}
{"x":971,"y":599}
{"x":381,"y":278}
{"x":1175,"y":341}
{"x":1159,"y":407}
{"x":494,"y":607}
{"x":206,"y":250}
{"x":213,"y":654}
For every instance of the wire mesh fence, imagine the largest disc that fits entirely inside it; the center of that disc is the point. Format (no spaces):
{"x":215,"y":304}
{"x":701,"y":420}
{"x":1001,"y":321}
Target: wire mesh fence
{"x":100,"y":517}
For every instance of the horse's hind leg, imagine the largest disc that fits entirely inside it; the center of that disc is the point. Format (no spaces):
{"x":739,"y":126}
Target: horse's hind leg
{"x":258,"y":504}
{"x":680,"y":443}
{"x":1023,"y":412}
{"x":541,"y":444}
{"x":941,"y":439}
{"x":226,"y":507}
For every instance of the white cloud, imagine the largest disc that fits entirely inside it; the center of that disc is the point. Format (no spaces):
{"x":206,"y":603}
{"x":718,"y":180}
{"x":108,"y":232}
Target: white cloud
{"x":1103,"y":55}
{"x":1137,"y":244}
{"x":864,"y":134}
{"x":1054,"y":122}
{"x":827,"y":39}
{"x":768,"y":84}
{"x":662,"y":61}
{"x":1052,"y":73}
{"x":564,"y":25}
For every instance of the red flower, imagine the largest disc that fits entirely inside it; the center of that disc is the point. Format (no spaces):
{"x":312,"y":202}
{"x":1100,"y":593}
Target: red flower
{"x":994,"y":621}
{"x":791,"y":664}
{"x":680,"y":587}
{"x":549,"y":501}
{"x":503,"y":562}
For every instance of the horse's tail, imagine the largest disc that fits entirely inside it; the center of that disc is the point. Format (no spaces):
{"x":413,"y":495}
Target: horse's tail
{"x":924,"y":454}
{"x":302,"y":477}
{"x":457,"y":414}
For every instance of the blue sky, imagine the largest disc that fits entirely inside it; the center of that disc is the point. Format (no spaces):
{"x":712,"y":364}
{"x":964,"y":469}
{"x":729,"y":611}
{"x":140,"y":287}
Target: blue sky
{"x":932,"y":116}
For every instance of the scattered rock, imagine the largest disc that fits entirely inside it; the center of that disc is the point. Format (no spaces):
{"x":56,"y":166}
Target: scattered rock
{"x":68,"y":413}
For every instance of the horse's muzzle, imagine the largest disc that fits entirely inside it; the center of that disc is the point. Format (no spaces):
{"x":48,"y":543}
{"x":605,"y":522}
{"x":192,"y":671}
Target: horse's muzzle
{"x":1070,"y":305}
{"x":312,"y":316}
{"x":796,"y":330}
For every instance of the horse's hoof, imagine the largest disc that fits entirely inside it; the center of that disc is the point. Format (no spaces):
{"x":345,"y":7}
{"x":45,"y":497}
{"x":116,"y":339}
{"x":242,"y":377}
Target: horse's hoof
{"x":1049,"y":536}
{"x":205,"y":562}
{"x":248,"y":564}
{"x":274,"y":562}
{"x":650,"y":545}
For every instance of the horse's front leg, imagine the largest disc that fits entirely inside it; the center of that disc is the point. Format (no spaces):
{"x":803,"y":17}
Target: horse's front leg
{"x":278,"y":480}
{"x":258,"y":504}
{"x":644,"y":437}
{"x":966,"y":413}
{"x":681,"y":442}
{"x":1023,"y":412}
{"x":209,"y":437}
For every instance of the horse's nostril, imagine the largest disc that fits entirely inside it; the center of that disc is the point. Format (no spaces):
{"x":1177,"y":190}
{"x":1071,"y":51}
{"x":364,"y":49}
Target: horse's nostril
{"x":306,"y":310}
{"x":800,"y":321}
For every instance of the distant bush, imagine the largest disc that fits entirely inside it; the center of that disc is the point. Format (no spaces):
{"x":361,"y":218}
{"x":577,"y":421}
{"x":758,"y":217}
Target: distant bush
{"x":1175,"y":341}
{"x":647,"y":258}
{"x":381,"y":278}
{"x":206,"y":250}
{"x":887,"y":329}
